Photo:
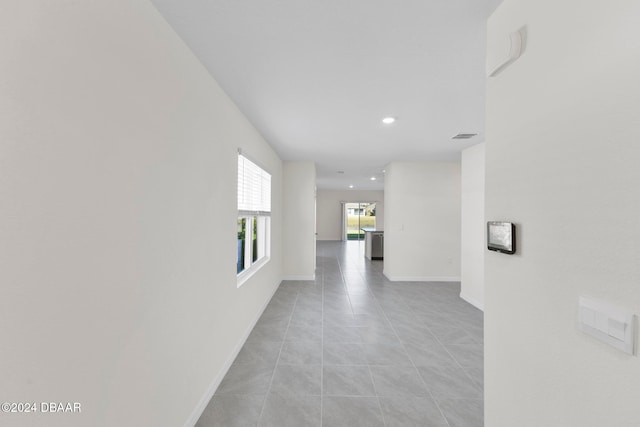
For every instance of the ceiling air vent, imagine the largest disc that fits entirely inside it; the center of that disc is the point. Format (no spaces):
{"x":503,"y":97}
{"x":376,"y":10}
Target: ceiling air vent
{"x":464,"y":136}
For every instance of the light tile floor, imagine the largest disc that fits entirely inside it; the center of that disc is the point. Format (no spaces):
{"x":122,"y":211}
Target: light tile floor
{"x":354,"y":349}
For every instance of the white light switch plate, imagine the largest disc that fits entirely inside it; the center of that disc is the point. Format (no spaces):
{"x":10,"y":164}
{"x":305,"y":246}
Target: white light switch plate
{"x":608,"y":323}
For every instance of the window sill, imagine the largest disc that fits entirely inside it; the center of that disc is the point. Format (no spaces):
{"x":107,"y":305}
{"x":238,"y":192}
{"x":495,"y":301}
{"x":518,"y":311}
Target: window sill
{"x":248,"y":273}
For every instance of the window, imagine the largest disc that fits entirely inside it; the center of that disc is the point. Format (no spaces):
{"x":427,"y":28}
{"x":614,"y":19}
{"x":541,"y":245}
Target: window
{"x":254,"y":211}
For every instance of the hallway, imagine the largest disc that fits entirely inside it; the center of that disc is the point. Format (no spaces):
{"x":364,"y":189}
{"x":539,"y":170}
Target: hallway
{"x":354,"y":349}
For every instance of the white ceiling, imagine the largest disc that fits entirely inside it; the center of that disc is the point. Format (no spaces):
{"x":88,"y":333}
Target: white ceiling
{"x":316,"y":77}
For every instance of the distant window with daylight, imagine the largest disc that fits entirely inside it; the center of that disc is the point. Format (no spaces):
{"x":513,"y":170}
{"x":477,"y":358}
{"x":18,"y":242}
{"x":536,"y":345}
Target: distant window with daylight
{"x":254,"y":215}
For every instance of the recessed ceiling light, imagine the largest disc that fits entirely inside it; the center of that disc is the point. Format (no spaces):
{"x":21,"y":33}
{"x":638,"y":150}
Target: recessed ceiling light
{"x":384,"y":171}
{"x":373,"y":178}
{"x":388,"y":120}
{"x":351,"y":186}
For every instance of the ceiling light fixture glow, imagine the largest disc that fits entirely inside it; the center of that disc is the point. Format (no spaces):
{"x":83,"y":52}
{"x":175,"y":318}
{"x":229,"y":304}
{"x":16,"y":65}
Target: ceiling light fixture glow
{"x":351,"y":186}
{"x":373,"y":178}
{"x":388,"y":120}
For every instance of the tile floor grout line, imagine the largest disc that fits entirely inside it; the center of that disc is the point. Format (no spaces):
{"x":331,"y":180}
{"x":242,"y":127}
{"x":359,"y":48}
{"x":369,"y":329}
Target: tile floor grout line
{"x":415,"y":367}
{"x":375,"y":389}
{"x":264,"y":402}
{"x":451,"y":355}
{"x":417,"y":311}
{"x":384,"y":423}
{"x":433,"y":398}
{"x":322,"y":349}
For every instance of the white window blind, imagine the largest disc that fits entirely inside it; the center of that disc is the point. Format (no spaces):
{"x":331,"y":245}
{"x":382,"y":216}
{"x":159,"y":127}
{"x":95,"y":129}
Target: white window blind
{"x":254,"y":188}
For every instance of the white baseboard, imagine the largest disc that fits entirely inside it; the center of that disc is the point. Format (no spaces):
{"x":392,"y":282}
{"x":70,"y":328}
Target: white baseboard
{"x":421,"y":278}
{"x":204,"y":401}
{"x":294,"y":277}
{"x":474,"y":302}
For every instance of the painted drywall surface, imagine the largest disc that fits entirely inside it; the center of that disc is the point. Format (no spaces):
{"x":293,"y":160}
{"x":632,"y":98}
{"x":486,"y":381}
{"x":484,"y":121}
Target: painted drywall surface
{"x":118,"y":217}
{"x":473,"y":226}
{"x":422,"y":221}
{"x":562,"y":163}
{"x":298,"y":238}
{"x":329,"y":216}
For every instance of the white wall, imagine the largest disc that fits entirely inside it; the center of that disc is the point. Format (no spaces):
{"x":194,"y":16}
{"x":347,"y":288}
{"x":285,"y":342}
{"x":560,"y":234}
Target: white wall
{"x":562,"y":163}
{"x":329,"y":217}
{"x":422,"y":221}
{"x":118,"y":217}
{"x":473,"y":226}
{"x":299,"y":215}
